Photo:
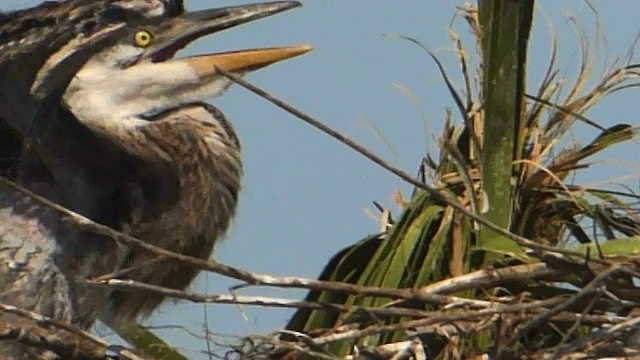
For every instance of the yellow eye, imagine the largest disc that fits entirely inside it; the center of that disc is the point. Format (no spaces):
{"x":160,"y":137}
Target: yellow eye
{"x":142,"y":38}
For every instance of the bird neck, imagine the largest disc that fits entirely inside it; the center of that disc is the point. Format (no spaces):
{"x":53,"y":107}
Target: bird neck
{"x":100,"y":93}
{"x":208,"y":170}
{"x":203,"y":156}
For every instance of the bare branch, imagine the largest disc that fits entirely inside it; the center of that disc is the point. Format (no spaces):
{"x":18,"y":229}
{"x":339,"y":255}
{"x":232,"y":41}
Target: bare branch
{"x":58,"y":337}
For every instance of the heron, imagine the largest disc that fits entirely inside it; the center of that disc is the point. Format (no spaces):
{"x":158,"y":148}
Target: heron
{"x":172,"y":162}
{"x":186,"y":165}
{"x":31,"y":276}
{"x":30,"y":36}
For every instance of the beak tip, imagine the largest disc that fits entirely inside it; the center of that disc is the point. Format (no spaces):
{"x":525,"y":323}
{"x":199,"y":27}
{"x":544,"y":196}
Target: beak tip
{"x":298,"y":50}
{"x":294,"y":51}
{"x":305,"y":48}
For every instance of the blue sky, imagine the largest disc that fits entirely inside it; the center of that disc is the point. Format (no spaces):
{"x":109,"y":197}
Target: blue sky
{"x":304,"y":194}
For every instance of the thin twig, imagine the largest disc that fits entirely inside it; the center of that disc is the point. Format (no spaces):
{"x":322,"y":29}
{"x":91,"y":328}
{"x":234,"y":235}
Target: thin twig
{"x":589,"y":290}
{"x":484,"y":279}
{"x":437,"y":195}
{"x":250,"y":278}
{"x":258,"y":300}
{"x":61,"y":338}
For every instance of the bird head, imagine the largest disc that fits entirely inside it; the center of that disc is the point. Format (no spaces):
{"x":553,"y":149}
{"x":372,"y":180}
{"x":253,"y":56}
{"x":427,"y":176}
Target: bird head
{"x":138,"y":74}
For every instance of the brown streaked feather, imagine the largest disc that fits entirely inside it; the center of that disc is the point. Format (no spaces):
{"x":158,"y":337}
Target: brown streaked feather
{"x":204,"y":155}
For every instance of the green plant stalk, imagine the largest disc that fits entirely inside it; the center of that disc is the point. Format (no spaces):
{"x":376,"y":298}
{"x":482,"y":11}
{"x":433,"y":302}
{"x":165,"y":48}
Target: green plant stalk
{"x":505,"y":27}
{"x":146,"y":341}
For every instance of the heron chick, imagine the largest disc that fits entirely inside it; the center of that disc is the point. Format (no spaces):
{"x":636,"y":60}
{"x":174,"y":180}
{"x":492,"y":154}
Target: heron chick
{"x":175,"y":161}
{"x":185,"y":159}
{"x":33,"y":272}
{"x":29,"y":36}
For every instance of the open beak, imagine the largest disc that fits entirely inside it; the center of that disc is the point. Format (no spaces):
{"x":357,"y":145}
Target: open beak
{"x":174,"y":34}
{"x":170,"y":36}
{"x":243,"y":60}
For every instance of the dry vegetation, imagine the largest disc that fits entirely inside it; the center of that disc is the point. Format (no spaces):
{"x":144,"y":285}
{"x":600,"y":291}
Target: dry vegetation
{"x":561,"y":282}
{"x":568,"y":290}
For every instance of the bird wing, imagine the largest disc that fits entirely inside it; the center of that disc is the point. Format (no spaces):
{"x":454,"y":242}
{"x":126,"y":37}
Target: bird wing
{"x":29,"y":277}
{"x":35,"y":273}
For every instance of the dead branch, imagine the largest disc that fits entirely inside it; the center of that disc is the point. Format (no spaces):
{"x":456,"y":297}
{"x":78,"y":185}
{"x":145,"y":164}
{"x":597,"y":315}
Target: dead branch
{"x":66,"y":341}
